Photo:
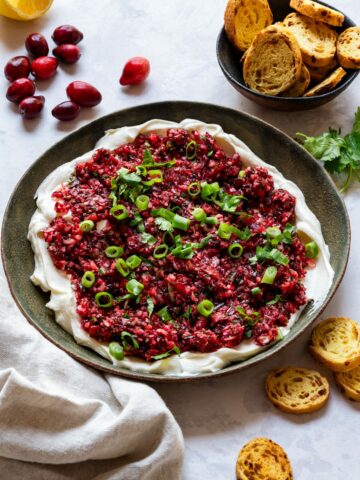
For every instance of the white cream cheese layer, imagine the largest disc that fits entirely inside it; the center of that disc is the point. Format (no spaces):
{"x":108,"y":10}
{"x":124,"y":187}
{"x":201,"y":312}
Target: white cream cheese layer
{"x":63,"y":302}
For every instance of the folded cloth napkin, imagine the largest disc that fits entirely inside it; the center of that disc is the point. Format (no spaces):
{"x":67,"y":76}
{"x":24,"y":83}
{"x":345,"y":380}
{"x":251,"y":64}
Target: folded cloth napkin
{"x":72,"y":422}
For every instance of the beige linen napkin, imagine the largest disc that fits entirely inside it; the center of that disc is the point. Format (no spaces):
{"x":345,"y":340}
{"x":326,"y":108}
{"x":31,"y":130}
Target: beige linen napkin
{"x":72,"y":421}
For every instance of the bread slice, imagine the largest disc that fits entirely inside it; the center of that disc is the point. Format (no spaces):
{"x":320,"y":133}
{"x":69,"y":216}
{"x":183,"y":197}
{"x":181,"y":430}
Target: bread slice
{"x":262,"y":458}
{"x":335,"y":342}
{"x":273,"y":61}
{"x":349,"y":383}
{"x":318,"y":12}
{"x":243,"y":19}
{"x":318,"y":74}
{"x":299,"y":87}
{"x":297,"y":390}
{"x":348,"y":48}
{"x":317,"y":41}
{"x":328,"y":84}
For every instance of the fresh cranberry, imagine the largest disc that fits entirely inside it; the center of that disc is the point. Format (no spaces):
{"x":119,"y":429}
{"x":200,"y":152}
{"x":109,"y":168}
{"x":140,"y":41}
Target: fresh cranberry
{"x":66,"y":111}
{"x":19,"y":89}
{"x":83,"y":94}
{"x":136,"y":70}
{"x":67,"y":34}
{"x":44,"y":67}
{"x":31,"y":107}
{"x":17,"y":67}
{"x":36,"y":45}
{"x":67,"y":53}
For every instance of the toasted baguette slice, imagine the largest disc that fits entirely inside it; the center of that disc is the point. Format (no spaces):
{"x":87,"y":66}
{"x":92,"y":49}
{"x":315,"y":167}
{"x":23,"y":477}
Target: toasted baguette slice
{"x":299,"y":87}
{"x":317,"y":41}
{"x":297,"y":390}
{"x":328,"y":84}
{"x":273,"y":62}
{"x":318,"y":74}
{"x":318,"y":12}
{"x":243,"y":19}
{"x":348,"y":48}
{"x":349,"y":383}
{"x":335,"y":342}
{"x":262,"y":458}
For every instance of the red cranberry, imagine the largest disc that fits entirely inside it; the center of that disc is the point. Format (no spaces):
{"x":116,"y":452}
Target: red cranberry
{"x":67,"y":34}
{"x":44,"y":67}
{"x":66,"y":111}
{"x":136,"y":70}
{"x":19,"y":89}
{"x":17,"y":67}
{"x":67,"y":53}
{"x":36,"y":45}
{"x":83,"y":94}
{"x":31,"y":107}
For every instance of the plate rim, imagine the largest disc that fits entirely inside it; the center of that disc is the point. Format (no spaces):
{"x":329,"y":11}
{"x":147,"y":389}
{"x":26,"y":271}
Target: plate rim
{"x":153,"y":377}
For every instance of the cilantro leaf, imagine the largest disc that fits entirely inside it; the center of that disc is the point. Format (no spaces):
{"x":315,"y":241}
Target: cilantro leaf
{"x":147,"y":238}
{"x":164,"y":225}
{"x":150,"y":306}
{"x":356,"y":125}
{"x":167,"y":354}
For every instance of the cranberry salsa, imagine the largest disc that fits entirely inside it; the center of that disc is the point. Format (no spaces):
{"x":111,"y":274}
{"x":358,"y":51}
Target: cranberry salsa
{"x":172,"y":246}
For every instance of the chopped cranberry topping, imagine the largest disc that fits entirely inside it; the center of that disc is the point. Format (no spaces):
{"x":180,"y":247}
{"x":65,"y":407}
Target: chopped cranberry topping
{"x":244,"y":307}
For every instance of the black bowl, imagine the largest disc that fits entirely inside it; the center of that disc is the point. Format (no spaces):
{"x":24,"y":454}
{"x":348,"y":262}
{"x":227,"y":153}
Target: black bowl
{"x":229,"y":61}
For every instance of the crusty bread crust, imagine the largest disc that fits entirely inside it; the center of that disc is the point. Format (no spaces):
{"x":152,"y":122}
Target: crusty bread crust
{"x":318,"y":12}
{"x":299,"y":87}
{"x":335,"y":342}
{"x":349,"y":383}
{"x":243,"y":19}
{"x":318,"y":74}
{"x":328,"y":84}
{"x":317,"y":41}
{"x":297,"y":390}
{"x":273,"y":61}
{"x":261,"y":458}
{"x":348,"y":48}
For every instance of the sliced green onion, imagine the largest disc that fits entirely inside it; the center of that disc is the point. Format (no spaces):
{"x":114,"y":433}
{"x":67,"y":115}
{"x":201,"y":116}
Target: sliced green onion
{"x":116,"y":350}
{"x":88,"y":279}
{"x":134,"y":287}
{"x":235,"y":250}
{"x":209,"y":189}
{"x":241,"y":174}
{"x":156,"y":177}
{"x":86,"y":225}
{"x":142,"y":202}
{"x":180,"y":222}
{"x":273,"y":232}
{"x":133,"y":261}
{"x":269,"y":275}
{"x":194,"y":189}
{"x":168,"y":239}
{"x":127,"y":335}
{"x":256,"y":291}
{"x":119,"y":212}
{"x":104,"y":299}
{"x":279,"y":257}
{"x":122,"y":267}
{"x":224,"y":231}
{"x":164,"y":314}
{"x":275,"y":300}
{"x":211,"y":221}
{"x":113,"y":252}
{"x":191,"y":147}
{"x":199,"y":215}
{"x":312,"y":250}
{"x":279,"y":336}
{"x":160,"y":251}
{"x":205,"y":308}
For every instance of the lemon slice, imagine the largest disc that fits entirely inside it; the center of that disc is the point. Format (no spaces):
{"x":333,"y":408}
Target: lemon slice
{"x":24,"y":9}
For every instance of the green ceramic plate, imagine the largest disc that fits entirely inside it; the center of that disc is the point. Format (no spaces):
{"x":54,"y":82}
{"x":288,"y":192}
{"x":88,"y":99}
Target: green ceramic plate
{"x":266,"y":141}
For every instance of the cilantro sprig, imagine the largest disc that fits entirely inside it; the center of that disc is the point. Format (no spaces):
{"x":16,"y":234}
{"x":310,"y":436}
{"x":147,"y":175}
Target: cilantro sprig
{"x":339,"y":154}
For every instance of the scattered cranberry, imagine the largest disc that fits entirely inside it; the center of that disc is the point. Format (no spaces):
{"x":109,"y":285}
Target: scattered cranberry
{"x":83,"y":94}
{"x":67,"y":34}
{"x":66,"y":111}
{"x":44,"y":67}
{"x":31,"y":107}
{"x":36,"y":45}
{"x":67,"y":53}
{"x":17,"y":67}
{"x":19,"y":89}
{"x":136,"y":70}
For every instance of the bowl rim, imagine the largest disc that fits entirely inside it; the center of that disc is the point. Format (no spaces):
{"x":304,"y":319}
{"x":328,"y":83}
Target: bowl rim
{"x":352,"y":74}
{"x":152,"y":377}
